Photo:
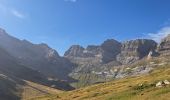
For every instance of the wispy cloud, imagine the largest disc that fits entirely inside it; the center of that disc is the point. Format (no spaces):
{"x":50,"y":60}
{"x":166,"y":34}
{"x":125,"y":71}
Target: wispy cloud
{"x":71,"y":0}
{"x":10,"y":11}
{"x":158,"y":36}
{"x":17,"y":14}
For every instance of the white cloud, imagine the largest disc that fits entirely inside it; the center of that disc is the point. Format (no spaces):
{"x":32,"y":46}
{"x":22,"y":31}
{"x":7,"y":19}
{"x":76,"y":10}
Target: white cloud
{"x":7,"y":11}
{"x":160,"y":34}
{"x":17,"y":14}
{"x":71,"y":0}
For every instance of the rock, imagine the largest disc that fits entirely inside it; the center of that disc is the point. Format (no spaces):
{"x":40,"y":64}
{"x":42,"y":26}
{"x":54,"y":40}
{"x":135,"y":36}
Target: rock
{"x":107,"y":51}
{"x":164,"y":46}
{"x":160,"y":84}
{"x":152,"y":54}
{"x":74,"y":51}
{"x":166,"y":82}
{"x":111,"y":48}
{"x":134,"y":50}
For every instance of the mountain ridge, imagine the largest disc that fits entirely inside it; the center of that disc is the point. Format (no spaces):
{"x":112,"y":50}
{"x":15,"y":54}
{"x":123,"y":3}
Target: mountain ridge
{"x":79,"y":67}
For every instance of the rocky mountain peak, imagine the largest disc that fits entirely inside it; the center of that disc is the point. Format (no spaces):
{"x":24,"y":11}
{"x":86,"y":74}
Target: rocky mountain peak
{"x":106,"y":52}
{"x":135,"y":49}
{"x":164,"y":46}
{"x":74,"y":51}
{"x":110,"y":42}
{"x":111,"y":48}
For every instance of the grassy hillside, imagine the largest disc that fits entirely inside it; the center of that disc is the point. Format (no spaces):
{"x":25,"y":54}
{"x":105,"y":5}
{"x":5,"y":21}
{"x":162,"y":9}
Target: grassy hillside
{"x":33,"y":90}
{"x":132,"y":88}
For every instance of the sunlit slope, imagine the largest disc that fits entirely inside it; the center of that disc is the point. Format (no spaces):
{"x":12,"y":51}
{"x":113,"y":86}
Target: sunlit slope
{"x":132,"y":88}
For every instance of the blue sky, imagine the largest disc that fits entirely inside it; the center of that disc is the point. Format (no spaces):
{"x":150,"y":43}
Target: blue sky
{"x":62,"y":23}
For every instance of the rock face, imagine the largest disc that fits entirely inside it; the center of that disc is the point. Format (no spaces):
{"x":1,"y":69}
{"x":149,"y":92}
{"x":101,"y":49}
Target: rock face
{"x":106,"y":52}
{"x":164,"y":46}
{"x":39,"y":57}
{"x":111,"y":49}
{"x":75,"y":51}
{"x":134,"y":50}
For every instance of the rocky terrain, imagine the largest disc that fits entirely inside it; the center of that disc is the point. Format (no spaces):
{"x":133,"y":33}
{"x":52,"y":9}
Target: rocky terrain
{"x":106,"y":61}
{"x":134,"y":50}
{"x":164,"y":46}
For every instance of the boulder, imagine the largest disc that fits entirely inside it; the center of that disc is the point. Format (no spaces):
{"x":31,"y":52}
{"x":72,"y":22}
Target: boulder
{"x":166,"y":82}
{"x":162,"y":83}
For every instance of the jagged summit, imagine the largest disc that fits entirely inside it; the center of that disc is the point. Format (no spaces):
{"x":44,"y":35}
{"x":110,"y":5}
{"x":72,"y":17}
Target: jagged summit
{"x":106,"y":51}
{"x":134,"y":50}
{"x":74,"y":51}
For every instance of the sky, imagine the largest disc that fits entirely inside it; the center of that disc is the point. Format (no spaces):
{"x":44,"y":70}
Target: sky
{"x":62,"y":23}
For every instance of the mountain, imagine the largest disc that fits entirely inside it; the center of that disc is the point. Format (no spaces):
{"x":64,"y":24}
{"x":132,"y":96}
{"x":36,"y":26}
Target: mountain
{"x":155,"y":85}
{"x":145,"y":79}
{"x":13,"y":76}
{"x":27,"y":68}
{"x":39,"y":57}
{"x":164,"y":46}
{"x":19,"y":65}
{"x":104,"y":53}
{"x":91,"y":60}
{"x":134,"y":50}
{"x":96,"y":63}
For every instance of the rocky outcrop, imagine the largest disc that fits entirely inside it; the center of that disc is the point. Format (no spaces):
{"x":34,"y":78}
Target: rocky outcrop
{"x":162,"y":83}
{"x":111,"y":49}
{"x":134,"y":50}
{"x":74,"y":51}
{"x":106,"y":52}
{"x":152,"y":54}
{"x":77,"y":51}
{"x":164,"y":46}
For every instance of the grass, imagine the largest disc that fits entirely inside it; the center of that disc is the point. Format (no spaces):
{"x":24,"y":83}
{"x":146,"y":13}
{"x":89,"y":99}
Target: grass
{"x":130,"y":88}
{"x":34,"y":90}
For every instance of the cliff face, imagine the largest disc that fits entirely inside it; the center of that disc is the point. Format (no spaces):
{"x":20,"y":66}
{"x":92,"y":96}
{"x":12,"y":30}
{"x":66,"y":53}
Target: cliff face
{"x":134,"y":50}
{"x":105,"y":52}
{"x":111,"y":49}
{"x":164,"y":47}
{"x":74,"y":51}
